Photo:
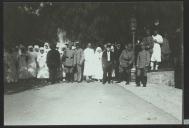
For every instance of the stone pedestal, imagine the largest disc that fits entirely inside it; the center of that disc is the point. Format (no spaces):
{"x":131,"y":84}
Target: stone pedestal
{"x":133,"y":74}
{"x":161,"y":78}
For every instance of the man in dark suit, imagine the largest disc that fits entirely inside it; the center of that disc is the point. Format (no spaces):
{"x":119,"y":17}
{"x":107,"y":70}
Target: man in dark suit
{"x":107,"y":63}
{"x":53,"y":63}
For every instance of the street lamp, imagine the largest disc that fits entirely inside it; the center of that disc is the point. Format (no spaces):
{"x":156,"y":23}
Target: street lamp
{"x":133,"y":25}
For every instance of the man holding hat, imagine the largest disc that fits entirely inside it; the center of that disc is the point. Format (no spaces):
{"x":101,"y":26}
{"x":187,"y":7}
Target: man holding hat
{"x":68,"y":62}
{"x":107,"y":64}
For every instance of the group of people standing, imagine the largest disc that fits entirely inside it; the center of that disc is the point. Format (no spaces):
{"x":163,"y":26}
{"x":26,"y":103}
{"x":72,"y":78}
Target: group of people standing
{"x":74,"y":64}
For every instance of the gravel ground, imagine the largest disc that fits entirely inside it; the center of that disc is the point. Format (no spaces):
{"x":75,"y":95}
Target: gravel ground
{"x":84,"y":103}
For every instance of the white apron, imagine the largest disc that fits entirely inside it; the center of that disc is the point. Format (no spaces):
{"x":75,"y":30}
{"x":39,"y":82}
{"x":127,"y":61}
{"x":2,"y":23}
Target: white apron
{"x":89,"y":66}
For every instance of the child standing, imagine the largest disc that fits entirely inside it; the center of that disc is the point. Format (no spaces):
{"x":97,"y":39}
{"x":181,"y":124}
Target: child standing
{"x":143,"y":61}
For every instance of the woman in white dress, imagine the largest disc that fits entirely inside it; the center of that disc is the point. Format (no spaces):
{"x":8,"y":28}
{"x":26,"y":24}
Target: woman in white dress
{"x":98,"y":72}
{"x":43,"y":71}
{"x":89,"y":66}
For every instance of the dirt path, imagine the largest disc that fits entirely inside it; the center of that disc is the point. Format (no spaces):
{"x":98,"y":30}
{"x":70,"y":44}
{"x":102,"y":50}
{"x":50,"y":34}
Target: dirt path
{"x":84,"y":103}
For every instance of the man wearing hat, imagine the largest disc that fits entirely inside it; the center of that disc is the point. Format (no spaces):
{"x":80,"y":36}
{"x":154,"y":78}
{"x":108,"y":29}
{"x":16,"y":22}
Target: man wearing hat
{"x":143,"y":61}
{"x":68,"y":62}
{"x":53,"y":63}
{"x":108,"y":61}
{"x":78,"y":62}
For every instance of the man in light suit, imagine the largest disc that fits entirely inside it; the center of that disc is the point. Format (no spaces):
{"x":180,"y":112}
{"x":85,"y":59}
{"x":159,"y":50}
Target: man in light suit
{"x":78,"y":63}
{"x":107,"y":63}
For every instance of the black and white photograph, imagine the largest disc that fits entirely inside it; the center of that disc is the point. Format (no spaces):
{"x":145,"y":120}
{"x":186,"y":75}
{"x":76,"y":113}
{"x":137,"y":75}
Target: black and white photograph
{"x":93,"y":63}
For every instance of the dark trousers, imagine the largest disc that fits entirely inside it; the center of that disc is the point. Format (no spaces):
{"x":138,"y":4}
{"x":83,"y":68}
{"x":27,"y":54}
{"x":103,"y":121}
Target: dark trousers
{"x":53,"y":73}
{"x":141,"y":76}
{"x":107,"y":69}
{"x":125,"y":74}
{"x":117,"y":72}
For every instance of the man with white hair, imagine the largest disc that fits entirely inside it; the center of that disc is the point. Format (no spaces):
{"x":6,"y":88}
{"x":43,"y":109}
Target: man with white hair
{"x":88,"y":62}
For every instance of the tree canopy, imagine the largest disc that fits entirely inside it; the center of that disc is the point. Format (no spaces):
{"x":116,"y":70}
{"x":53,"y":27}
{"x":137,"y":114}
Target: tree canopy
{"x":29,"y":23}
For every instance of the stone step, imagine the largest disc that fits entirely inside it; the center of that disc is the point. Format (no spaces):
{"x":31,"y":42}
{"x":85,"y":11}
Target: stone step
{"x":161,"y":78}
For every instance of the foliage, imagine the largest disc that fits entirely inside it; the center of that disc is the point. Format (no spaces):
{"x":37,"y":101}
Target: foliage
{"x":85,"y":22}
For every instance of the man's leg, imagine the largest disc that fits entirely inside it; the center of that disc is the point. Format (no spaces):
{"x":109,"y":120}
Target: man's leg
{"x":138,"y":77}
{"x":71,"y":74}
{"x":127,"y":71}
{"x":50,"y":74}
{"x":152,"y":65}
{"x":144,"y":77}
{"x":109,"y":70}
{"x":104,"y":75}
{"x":157,"y":65}
{"x":53,"y":75}
{"x":79,"y":73}
{"x":120,"y":74}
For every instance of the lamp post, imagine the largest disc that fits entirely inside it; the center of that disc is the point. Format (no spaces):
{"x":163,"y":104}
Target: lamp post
{"x":133,"y":26}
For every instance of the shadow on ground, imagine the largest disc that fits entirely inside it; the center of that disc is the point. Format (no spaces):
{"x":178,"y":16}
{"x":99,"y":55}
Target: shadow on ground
{"x":23,"y":86}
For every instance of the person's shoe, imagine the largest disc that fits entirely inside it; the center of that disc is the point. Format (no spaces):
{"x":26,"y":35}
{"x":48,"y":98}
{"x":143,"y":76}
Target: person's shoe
{"x":103,"y":82}
{"x":144,"y":85}
{"x":118,"y":81}
{"x":127,"y":83}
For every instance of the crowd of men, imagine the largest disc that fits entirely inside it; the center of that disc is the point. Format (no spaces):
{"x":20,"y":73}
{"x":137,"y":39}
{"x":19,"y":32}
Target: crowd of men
{"x":71,"y":63}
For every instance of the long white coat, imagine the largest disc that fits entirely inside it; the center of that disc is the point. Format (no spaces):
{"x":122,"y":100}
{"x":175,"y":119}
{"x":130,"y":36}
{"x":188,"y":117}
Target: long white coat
{"x":43,"y":71}
{"x":98,"y":72}
{"x":89,"y":66}
{"x":156,"y":55}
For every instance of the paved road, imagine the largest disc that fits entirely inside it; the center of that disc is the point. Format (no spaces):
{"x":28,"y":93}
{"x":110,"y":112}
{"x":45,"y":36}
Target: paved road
{"x":83,"y":103}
